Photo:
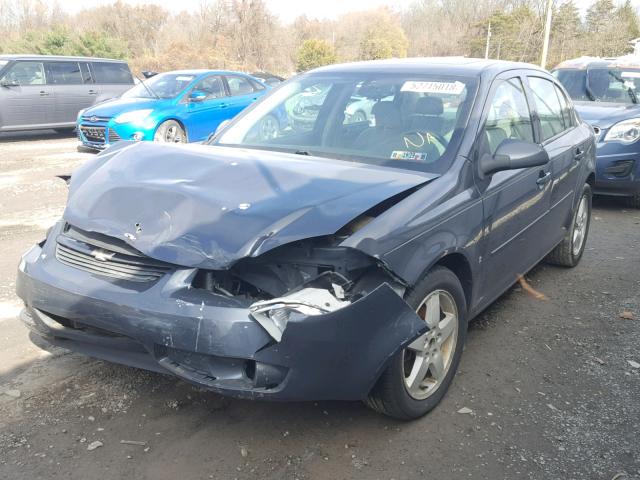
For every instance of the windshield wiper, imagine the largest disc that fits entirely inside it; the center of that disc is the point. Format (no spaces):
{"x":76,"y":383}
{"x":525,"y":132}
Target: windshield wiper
{"x":630,"y":91}
{"x":148,"y":88}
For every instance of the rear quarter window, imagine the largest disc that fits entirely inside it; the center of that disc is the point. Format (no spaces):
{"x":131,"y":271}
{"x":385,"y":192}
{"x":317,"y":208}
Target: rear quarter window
{"x":115,"y":73}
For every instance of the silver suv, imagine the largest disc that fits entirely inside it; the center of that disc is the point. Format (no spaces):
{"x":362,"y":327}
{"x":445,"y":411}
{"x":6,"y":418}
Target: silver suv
{"x":42,"y":91}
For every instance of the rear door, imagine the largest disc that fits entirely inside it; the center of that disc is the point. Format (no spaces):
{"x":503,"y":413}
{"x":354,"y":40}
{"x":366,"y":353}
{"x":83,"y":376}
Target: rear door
{"x":111,"y":79}
{"x":26,"y":101}
{"x":242,"y":92}
{"x":204,"y":107}
{"x":73,"y":90}
{"x":565,"y":144}
{"x":515,"y":202}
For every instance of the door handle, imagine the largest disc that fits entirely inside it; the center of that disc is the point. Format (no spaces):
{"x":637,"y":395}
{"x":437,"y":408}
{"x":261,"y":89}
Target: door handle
{"x":92,"y":92}
{"x":579,"y":154}
{"x":543,"y":178}
{"x":43,"y":93}
{"x":223,"y":105}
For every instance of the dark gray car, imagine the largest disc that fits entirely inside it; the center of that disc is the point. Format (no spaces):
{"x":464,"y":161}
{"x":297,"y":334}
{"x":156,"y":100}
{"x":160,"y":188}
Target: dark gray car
{"x":43,"y":92}
{"x":342,"y":261}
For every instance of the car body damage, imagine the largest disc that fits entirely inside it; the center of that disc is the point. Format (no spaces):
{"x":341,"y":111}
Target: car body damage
{"x":185,"y":325}
{"x":227,"y":204}
{"x":241,"y":290}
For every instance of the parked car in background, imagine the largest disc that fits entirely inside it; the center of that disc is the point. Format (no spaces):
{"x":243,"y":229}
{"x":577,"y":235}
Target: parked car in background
{"x":43,"y":92}
{"x":341,"y":261}
{"x":175,"y":107}
{"x":606,"y":94}
{"x":268,"y":78}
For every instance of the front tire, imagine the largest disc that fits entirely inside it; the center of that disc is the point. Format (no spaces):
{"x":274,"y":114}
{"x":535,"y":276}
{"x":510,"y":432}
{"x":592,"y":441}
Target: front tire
{"x":569,"y":252}
{"x":170,"y":131}
{"x":418,"y":377}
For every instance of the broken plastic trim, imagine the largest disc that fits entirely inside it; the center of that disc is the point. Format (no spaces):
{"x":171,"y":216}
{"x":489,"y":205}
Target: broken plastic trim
{"x":273,"y":315}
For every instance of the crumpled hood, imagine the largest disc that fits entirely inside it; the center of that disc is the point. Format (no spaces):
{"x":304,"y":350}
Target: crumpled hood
{"x":114,"y":107}
{"x":605,"y":115}
{"x":202,"y":206}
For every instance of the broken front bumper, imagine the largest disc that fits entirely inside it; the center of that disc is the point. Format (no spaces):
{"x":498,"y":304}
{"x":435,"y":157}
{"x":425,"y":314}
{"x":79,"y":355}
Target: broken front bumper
{"x":207,"y":339}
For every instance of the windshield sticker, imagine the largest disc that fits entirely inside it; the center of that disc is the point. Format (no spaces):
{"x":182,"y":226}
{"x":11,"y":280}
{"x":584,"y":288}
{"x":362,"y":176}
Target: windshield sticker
{"x":184,"y":79}
{"x":405,"y":155}
{"x":454,"y":88}
{"x":630,"y":74}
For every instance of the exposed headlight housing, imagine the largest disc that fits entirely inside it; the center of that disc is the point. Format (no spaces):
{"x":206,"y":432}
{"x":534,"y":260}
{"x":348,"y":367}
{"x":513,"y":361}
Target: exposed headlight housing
{"x":627,"y":131}
{"x":135,"y":116}
{"x":274,"y":315}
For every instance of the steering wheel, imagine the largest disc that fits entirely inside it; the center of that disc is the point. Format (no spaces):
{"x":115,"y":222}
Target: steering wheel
{"x":416,"y":139}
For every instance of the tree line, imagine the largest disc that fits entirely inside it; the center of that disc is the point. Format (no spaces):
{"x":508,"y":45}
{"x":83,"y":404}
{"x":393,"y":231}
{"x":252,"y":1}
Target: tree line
{"x":247,"y":35}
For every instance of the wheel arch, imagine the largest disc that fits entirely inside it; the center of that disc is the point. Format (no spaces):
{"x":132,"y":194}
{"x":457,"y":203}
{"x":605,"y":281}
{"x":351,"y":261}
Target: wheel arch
{"x":458,"y":263}
{"x":175,"y":119}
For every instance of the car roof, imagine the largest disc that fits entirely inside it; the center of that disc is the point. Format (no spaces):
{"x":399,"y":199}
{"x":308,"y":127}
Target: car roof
{"x":57,"y":58}
{"x":201,"y":71}
{"x":581,"y":63}
{"x":458,"y":66}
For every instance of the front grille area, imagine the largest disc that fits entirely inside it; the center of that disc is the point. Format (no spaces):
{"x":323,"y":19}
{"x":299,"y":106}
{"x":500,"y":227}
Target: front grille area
{"x":107,"y":263}
{"x":95,"y":119}
{"x":93,"y":134}
{"x":113,"y":136}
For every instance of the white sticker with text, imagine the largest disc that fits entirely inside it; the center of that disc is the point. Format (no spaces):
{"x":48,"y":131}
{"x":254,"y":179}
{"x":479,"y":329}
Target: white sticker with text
{"x":453,"y":88}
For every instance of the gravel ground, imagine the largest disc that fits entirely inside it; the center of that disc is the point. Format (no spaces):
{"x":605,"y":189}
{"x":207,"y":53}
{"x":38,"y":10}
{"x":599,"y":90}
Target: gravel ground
{"x":553,"y":385}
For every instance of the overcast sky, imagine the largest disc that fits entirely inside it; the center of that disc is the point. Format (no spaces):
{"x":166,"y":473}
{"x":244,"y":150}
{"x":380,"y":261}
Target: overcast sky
{"x":287,"y":10}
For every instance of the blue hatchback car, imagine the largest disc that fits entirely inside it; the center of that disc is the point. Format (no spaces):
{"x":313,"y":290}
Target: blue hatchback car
{"x":175,"y":107}
{"x":606,"y":95}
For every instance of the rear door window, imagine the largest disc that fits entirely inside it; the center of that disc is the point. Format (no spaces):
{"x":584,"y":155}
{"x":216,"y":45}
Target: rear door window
{"x":548,"y":106}
{"x":25,"y":73}
{"x":509,"y":116}
{"x":239,"y":86}
{"x":111,"y":73}
{"x":63,"y":73}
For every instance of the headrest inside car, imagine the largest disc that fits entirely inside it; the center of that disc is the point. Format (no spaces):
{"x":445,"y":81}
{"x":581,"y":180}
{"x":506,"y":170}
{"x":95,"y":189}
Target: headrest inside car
{"x":429,"y":106}
{"x":386,"y":114}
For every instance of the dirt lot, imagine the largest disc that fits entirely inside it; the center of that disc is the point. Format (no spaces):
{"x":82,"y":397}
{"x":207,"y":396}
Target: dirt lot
{"x":552,"y":392}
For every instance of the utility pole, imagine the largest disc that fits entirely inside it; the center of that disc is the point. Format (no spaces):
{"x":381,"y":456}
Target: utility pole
{"x":547,"y":32}
{"x":486,"y":49}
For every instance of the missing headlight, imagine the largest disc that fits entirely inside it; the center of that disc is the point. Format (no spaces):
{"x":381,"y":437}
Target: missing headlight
{"x":274,"y":314}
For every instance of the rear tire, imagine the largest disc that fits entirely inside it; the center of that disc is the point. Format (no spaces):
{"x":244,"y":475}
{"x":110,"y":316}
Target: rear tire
{"x":634,"y":200}
{"x":403,"y":391}
{"x":568,"y":252}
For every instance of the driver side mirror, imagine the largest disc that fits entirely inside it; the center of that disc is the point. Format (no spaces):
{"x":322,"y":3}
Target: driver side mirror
{"x":512,"y":155}
{"x":9,"y":83}
{"x":197,"y":96}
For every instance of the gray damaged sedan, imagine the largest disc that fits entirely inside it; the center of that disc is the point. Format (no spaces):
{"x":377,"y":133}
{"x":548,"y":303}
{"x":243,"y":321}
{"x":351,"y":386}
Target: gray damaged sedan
{"x":341,"y":260}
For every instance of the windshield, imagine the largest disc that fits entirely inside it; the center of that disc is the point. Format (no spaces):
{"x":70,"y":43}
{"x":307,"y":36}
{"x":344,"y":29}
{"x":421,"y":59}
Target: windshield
{"x":164,"y":85}
{"x":3,"y":63}
{"x":399,"y":120}
{"x":614,"y":85}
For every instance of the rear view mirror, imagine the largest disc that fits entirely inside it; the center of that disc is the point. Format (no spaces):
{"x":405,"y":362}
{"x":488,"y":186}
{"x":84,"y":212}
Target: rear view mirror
{"x":197,"y":96}
{"x":512,"y":155}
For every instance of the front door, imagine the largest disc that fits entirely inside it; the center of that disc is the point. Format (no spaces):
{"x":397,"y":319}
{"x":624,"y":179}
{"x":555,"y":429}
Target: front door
{"x":26,"y":99}
{"x":242,"y":92}
{"x":515,"y":201}
{"x":205,"y":107}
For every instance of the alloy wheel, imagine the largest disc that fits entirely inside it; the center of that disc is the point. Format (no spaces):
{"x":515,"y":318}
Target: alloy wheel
{"x":426,"y":361}
{"x":580,"y":226}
